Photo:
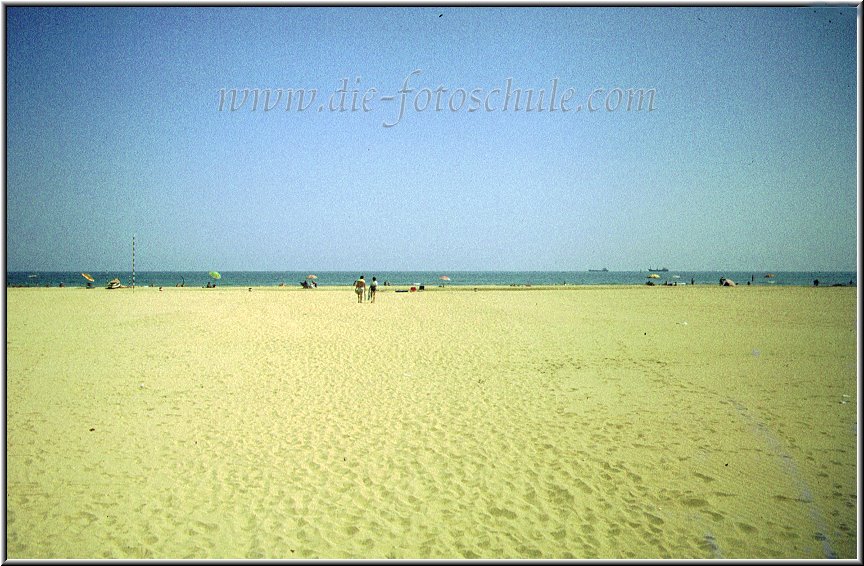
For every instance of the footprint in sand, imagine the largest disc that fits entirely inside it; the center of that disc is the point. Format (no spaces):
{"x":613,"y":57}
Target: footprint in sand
{"x":703,"y":477}
{"x":560,"y":495}
{"x":498,"y":512}
{"x":583,"y":486}
{"x":746,"y":528}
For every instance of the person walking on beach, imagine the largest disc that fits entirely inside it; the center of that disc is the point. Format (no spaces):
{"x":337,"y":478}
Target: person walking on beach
{"x":373,"y":288}
{"x":360,"y":288}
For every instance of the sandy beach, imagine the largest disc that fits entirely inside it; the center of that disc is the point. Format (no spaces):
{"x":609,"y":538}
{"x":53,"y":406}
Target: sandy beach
{"x":570,"y":422}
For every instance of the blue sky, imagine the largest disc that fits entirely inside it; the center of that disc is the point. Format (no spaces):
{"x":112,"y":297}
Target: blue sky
{"x":746,"y":162}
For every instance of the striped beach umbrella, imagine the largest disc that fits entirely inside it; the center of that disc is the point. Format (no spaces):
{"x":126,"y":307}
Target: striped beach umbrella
{"x":87,"y":277}
{"x":215,"y":275}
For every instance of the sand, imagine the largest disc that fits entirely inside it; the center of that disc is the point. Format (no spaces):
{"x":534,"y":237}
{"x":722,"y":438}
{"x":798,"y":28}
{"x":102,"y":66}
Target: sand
{"x":570,"y":422}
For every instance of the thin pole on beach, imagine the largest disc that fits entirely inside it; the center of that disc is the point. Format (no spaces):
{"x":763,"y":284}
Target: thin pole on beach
{"x":133,"y":263}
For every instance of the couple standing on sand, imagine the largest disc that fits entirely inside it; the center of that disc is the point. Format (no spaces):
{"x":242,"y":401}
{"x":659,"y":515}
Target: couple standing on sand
{"x":360,"y":289}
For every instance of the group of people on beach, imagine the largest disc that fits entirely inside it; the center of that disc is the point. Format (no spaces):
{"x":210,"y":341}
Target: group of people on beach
{"x":364,"y":291}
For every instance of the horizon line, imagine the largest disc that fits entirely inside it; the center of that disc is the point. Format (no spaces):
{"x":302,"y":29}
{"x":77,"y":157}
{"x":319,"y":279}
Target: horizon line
{"x":584,"y":270}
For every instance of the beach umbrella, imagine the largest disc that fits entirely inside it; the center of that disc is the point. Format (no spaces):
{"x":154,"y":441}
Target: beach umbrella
{"x":654,"y":276}
{"x":87,"y":277}
{"x":728,"y":283}
{"x":444,"y":278}
{"x":215,"y":275}
{"x":769,"y":275}
{"x":311,"y":276}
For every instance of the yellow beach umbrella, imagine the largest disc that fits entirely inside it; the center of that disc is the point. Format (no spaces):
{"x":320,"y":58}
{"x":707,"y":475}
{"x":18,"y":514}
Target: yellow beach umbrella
{"x":653,"y":276}
{"x":87,"y":277}
{"x":311,"y":276}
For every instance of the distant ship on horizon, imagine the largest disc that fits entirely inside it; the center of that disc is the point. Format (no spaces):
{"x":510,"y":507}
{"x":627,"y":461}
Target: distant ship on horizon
{"x":598,"y":270}
{"x":664,"y":269}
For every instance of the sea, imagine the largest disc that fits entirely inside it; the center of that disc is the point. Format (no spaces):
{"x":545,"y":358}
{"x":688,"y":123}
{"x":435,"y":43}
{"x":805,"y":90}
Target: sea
{"x":427,"y":278}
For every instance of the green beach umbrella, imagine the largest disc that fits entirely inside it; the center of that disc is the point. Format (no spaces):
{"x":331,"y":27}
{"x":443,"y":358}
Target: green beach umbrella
{"x":215,"y":275}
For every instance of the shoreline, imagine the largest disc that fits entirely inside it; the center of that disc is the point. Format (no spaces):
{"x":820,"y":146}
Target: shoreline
{"x":438,"y":288}
{"x":431,"y":279}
